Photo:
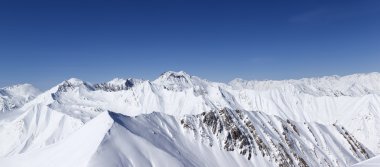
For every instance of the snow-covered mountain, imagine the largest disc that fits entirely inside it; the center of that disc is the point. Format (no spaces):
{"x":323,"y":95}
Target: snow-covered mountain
{"x":15,"y":96}
{"x":217,"y":138}
{"x":183,"y":120}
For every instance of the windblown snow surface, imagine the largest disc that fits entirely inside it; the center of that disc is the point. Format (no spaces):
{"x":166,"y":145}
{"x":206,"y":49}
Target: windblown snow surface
{"x":183,"y":120}
{"x":373,"y":162}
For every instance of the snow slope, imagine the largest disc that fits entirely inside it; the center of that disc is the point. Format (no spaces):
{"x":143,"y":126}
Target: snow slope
{"x":157,"y":139}
{"x":111,"y":140}
{"x":373,"y":162}
{"x":75,"y":150}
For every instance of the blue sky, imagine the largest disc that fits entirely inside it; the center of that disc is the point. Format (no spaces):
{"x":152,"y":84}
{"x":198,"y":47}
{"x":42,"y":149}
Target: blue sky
{"x":46,"y":42}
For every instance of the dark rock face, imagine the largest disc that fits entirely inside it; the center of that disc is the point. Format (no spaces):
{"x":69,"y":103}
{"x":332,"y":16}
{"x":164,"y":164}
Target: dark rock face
{"x":129,"y":83}
{"x":356,"y":147}
{"x":282,"y":142}
{"x":70,"y":85}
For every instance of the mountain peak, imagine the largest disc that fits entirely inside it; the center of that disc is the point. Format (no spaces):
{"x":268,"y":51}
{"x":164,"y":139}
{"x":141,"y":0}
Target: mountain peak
{"x":21,"y":90}
{"x":173,"y":74}
{"x":74,"y":81}
{"x":118,"y":84}
{"x":17,"y":86}
{"x":117,"y":81}
{"x":71,"y":83}
{"x":174,"y":78}
{"x":15,"y":96}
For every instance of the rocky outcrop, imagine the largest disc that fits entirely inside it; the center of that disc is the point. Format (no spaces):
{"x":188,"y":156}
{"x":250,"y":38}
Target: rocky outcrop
{"x":283,"y":142}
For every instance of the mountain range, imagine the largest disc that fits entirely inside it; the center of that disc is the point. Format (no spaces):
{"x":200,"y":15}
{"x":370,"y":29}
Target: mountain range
{"x":183,"y":120}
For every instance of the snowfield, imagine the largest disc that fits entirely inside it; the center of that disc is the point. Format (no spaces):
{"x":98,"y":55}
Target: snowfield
{"x":183,"y":120}
{"x":373,"y":162}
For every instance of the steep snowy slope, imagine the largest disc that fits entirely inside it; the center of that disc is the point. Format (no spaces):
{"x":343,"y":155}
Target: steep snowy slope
{"x":359,"y":114}
{"x":111,"y":140}
{"x":158,"y":140}
{"x":38,"y":127}
{"x":74,"y":150}
{"x":284,"y":142}
{"x":353,"y":101}
{"x":15,"y":96}
{"x":216,"y":138}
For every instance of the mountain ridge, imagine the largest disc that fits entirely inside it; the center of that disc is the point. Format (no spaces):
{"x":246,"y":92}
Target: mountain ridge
{"x":109,"y":138}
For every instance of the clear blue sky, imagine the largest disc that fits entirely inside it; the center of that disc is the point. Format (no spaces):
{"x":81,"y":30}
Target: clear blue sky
{"x":46,"y":42}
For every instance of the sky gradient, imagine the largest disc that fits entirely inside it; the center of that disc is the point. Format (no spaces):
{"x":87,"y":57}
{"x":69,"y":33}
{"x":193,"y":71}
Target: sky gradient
{"x":45,"y":42}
